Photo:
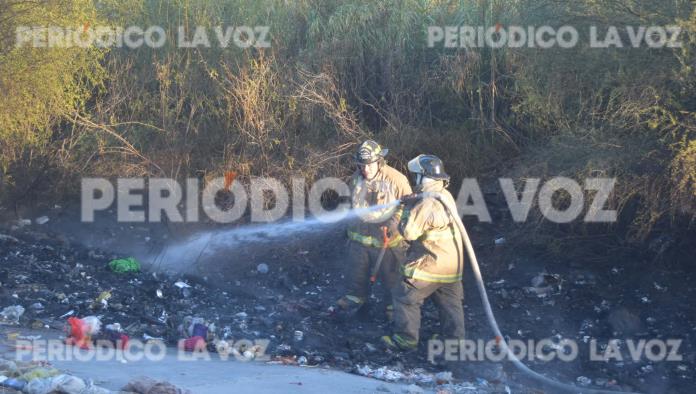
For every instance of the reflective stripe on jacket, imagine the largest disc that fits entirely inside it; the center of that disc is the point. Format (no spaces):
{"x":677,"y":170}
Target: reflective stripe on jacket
{"x":436,"y":252}
{"x":387,"y":186}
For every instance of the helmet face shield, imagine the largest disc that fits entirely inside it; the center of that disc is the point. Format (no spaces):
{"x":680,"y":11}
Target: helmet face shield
{"x":414,"y":165}
{"x":415,"y":171}
{"x":427,"y":166}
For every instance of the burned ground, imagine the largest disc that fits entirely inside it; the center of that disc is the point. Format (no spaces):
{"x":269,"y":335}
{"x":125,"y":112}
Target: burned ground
{"x":533,"y":298}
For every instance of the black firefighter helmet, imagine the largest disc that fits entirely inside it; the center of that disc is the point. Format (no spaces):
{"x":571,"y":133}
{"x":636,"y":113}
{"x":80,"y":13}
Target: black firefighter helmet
{"x":428,"y":166}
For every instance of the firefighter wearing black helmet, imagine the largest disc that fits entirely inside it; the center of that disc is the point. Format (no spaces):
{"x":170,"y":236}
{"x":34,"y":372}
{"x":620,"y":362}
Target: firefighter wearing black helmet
{"x":374,"y":183}
{"x":434,"y":262}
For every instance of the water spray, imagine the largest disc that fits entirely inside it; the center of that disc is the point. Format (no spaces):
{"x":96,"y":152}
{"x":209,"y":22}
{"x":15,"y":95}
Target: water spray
{"x":489,"y":311}
{"x":193,"y":248}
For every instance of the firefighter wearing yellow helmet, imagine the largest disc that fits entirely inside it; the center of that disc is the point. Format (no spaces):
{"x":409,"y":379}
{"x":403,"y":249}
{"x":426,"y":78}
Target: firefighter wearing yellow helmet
{"x":374,"y":183}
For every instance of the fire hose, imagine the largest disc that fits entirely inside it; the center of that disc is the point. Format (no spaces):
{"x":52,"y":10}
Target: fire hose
{"x":489,"y":311}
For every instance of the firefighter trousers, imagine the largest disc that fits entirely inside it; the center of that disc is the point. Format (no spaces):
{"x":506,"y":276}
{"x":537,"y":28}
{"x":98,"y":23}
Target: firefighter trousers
{"x":409,"y":296}
{"x":362,"y":259}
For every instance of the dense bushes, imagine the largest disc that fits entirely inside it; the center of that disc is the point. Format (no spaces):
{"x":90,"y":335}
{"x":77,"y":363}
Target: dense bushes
{"x":339,"y":71}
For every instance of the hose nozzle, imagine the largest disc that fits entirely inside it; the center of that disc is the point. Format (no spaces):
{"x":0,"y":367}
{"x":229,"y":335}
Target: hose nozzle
{"x":411,"y":198}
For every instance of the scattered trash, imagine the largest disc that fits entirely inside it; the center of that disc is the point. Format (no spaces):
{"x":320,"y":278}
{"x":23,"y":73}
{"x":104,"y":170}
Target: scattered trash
{"x":39,"y":373}
{"x":413,"y":389}
{"x":287,"y":308}
{"x":603,"y":306}
{"x":443,"y":377}
{"x":122,"y":266}
{"x":500,"y":241}
{"x":81,"y":331}
{"x":497,"y":284}
{"x":8,"y":367}
{"x":11,"y":314}
{"x":113,"y":337}
{"x":647,"y":368}
{"x":4,"y":237}
{"x":144,"y":385}
{"x":41,"y":220}
{"x":193,"y":343}
{"x":102,"y":301}
{"x":182,"y":285}
{"x":544,"y":285}
{"x":66,"y":384}
{"x":584,"y":380}
{"x":382,"y":373}
{"x":11,"y":383}
{"x":148,"y":338}
{"x":29,"y":337}
{"x":262,"y":268}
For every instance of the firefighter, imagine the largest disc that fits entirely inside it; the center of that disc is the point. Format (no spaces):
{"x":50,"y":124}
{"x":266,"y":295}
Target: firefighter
{"x":434,"y":262}
{"x":374,"y":183}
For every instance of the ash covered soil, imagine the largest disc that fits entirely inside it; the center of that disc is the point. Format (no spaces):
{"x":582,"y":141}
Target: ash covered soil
{"x":533,"y":298}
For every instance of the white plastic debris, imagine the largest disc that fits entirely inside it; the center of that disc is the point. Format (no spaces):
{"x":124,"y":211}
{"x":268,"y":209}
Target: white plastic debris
{"x":443,"y":377}
{"x":262,"y":268}
{"x":299,"y":336}
{"x":500,"y":241}
{"x":5,"y":237}
{"x":147,"y":337}
{"x":61,"y":384}
{"x":387,"y":374}
{"x":42,"y":220}
{"x":11,"y":314}
{"x":182,"y":285}
{"x":92,"y":324}
{"x":584,"y":380}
